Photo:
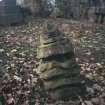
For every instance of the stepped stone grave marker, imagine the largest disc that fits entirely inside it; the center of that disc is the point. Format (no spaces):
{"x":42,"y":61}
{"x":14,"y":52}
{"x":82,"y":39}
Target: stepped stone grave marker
{"x":58,"y":68}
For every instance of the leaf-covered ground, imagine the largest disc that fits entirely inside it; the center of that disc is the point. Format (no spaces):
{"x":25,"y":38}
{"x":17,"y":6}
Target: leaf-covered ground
{"x":18,"y":79}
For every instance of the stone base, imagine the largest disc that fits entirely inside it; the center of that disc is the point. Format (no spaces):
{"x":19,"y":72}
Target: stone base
{"x":68,"y":93}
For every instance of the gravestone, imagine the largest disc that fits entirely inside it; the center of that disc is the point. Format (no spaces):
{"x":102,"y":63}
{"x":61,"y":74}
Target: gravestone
{"x":100,"y":11}
{"x":9,"y":13}
{"x":31,"y":5}
{"x":58,"y":68}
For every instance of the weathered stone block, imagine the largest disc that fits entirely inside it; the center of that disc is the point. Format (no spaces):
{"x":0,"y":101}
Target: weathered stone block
{"x":58,"y":67}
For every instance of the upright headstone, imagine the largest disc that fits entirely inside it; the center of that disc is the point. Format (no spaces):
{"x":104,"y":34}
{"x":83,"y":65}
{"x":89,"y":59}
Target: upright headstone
{"x":58,"y":68}
{"x":31,"y":5}
{"x":100,"y":11}
{"x":9,"y":13}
